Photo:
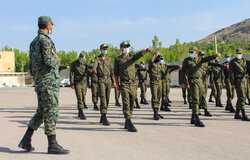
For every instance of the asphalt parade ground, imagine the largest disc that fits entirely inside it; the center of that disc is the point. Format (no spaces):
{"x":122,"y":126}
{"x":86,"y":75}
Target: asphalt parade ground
{"x":171,"y":138}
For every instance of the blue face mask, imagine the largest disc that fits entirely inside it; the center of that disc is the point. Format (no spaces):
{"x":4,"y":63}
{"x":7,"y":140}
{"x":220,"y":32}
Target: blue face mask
{"x":104,"y":52}
{"x":191,"y":55}
{"x":81,"y":61}
{"x":228,"y":59}
{"x":143,"y":66}
{"x":161,"y":61}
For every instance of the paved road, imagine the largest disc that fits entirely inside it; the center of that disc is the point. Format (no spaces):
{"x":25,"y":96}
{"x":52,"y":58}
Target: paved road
{"x":171,"y":138}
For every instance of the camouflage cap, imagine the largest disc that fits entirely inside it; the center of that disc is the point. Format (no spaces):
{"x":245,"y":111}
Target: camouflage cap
{"x":159,"y":57}
{"x":45,"y":20}
{"x":104,"y":46}
{"x":228,"y":55}
{"x":124,"y":44}
{"x":201,"y":53}
{"x":239,"y":50}
{"x":193,"y":48}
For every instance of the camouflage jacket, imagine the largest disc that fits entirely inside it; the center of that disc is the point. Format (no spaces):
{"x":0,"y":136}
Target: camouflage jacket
{"x":43,"y":63}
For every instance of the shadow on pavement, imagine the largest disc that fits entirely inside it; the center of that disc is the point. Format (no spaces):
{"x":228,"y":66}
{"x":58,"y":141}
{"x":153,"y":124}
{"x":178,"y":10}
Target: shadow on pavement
{"x":10,"y":151}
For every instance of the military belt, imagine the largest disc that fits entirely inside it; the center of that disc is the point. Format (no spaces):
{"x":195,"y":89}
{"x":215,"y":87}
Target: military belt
{"x":130,"y":81}
{"x":195,"y":77}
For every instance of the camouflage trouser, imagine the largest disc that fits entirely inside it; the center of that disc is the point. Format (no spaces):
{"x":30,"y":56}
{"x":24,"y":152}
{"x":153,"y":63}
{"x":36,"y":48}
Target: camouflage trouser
{"x":81,"y":89}
{"x":230,"y":91}
{"x":248,"y":90}
{"x":94,"y":89}
{"x":104,"y":86}
{"x":117,"y":94}
{"x":241,"y":91}
{"x":128,"y":92}
{"x":47,"y":110}
{"x":143,"y":86}
{"x":203,"y":101}
{"x":196,"y":87}
{"x":156,"y":92}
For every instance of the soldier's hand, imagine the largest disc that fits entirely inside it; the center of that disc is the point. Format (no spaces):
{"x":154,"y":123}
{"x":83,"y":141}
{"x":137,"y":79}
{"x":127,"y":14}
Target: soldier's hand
{"x":183,"y":86}
{"x":233,"y":86}
{"x":180,"y":66}
{"x":94,"y":71}
{"x":67,"y":67}
{"x":114,"y":85}
{"x":150,"y":49}
{"x":72,"y":86}
{"x":227,"y":66}
{"x":223,"y":84}
{"x":170,"y":84}
{"x":57,"y":59}
{"x":212,"y":84}
{"x":188,"y":86}
{"x":217,"y":55}
{"x":89,"y":86}
{"x":157,"y":53}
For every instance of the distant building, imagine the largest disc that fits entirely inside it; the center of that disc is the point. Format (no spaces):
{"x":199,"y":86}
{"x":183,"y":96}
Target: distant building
{"x":8,"y":76}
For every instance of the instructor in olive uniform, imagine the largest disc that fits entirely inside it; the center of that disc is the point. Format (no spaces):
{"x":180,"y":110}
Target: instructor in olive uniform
{"x":44,"y":67}
{"x":124,"y":68}
{"x":238,"y":76}
{"x":103,"y":68}
{"x":192,"y":67}
{"x":79,"y":80}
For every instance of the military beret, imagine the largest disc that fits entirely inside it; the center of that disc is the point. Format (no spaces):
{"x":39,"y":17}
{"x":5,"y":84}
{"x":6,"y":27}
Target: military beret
{"x":201,"y":53}
{"x":193,"y":48}
{"x":228,"y":55}
{"x":239,"y":50}
{"x":45,"y":20}
{"x":124,"y":44}
{"x":104,"y":46}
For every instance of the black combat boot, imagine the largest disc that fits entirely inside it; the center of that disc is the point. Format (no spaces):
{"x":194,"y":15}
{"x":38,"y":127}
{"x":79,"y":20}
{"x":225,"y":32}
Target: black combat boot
{"x":244,"y":116}
{"x":216,"y":103}
{"x":117,"y":103}
{"x":81,"y":114}
{"x":231,"y":108}
{"x":54,"y":147}
{"x":142,"y":100}
{"x":185,"y":101}
{"x":192,"y":119}
{"x":166,"y":107}
{"x":137,"y":104}
{"x":104,"y":120}
{"x":26,"y":141}
{"x":96,"y":107}
{"x":145,"y":101}
{"x":130,"y":126}
{"x":190,"y":106}
{"x":169,"y":100}
{"x":156,"y":116}
{"x":237,"y":114}
{"x":207,"y":113}
{"x":220,"y":104}
{"x":197,"y":121}
{"x":210,"y":99}
{"x":85,"y":106}
{"x":126,"y":124}
{"x":162,"y":106}
{"x":227,"y":107}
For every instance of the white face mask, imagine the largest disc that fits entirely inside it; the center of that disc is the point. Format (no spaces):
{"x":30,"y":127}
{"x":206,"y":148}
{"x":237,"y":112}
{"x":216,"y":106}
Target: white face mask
{"x":125,"y":50}
{"x":238,"y":56}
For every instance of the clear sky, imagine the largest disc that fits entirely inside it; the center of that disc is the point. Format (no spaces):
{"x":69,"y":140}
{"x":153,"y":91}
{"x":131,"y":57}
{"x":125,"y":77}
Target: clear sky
{"x":85,"y":24}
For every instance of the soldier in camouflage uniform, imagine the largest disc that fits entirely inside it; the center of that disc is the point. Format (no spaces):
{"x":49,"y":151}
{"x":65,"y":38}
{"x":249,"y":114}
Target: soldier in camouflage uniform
{"x":94,"y":86}
{"x":218,"y":79}
{"x":230,"y":90}
{"x":143,"y":82}
{"x":79,"y":80}
{"x":124,"y":68}
{"x":44,"y":68}
{"x":166,"y":78}
{"x":192,"y":69}
{"x":156,"y":70}
{"x":238,"y":76}
{"x":103,"y":68}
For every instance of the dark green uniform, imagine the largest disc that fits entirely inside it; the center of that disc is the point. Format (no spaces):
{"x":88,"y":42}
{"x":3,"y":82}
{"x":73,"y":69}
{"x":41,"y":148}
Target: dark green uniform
{"x":94,"y":85}
{"x":211,"y":81}
{"x":218,"y":79}
{"x":105,"y":80}
{"x":44,"y":68}
{"x":185,"y":91}
{"x":230,"y":90}
{"x":137,"y":84}
{"x":192,"y":67}
{"x":79,"y":77}
{"x":117,"y":94}
{"x":124,"y":68}
{"x":143,"y":83}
